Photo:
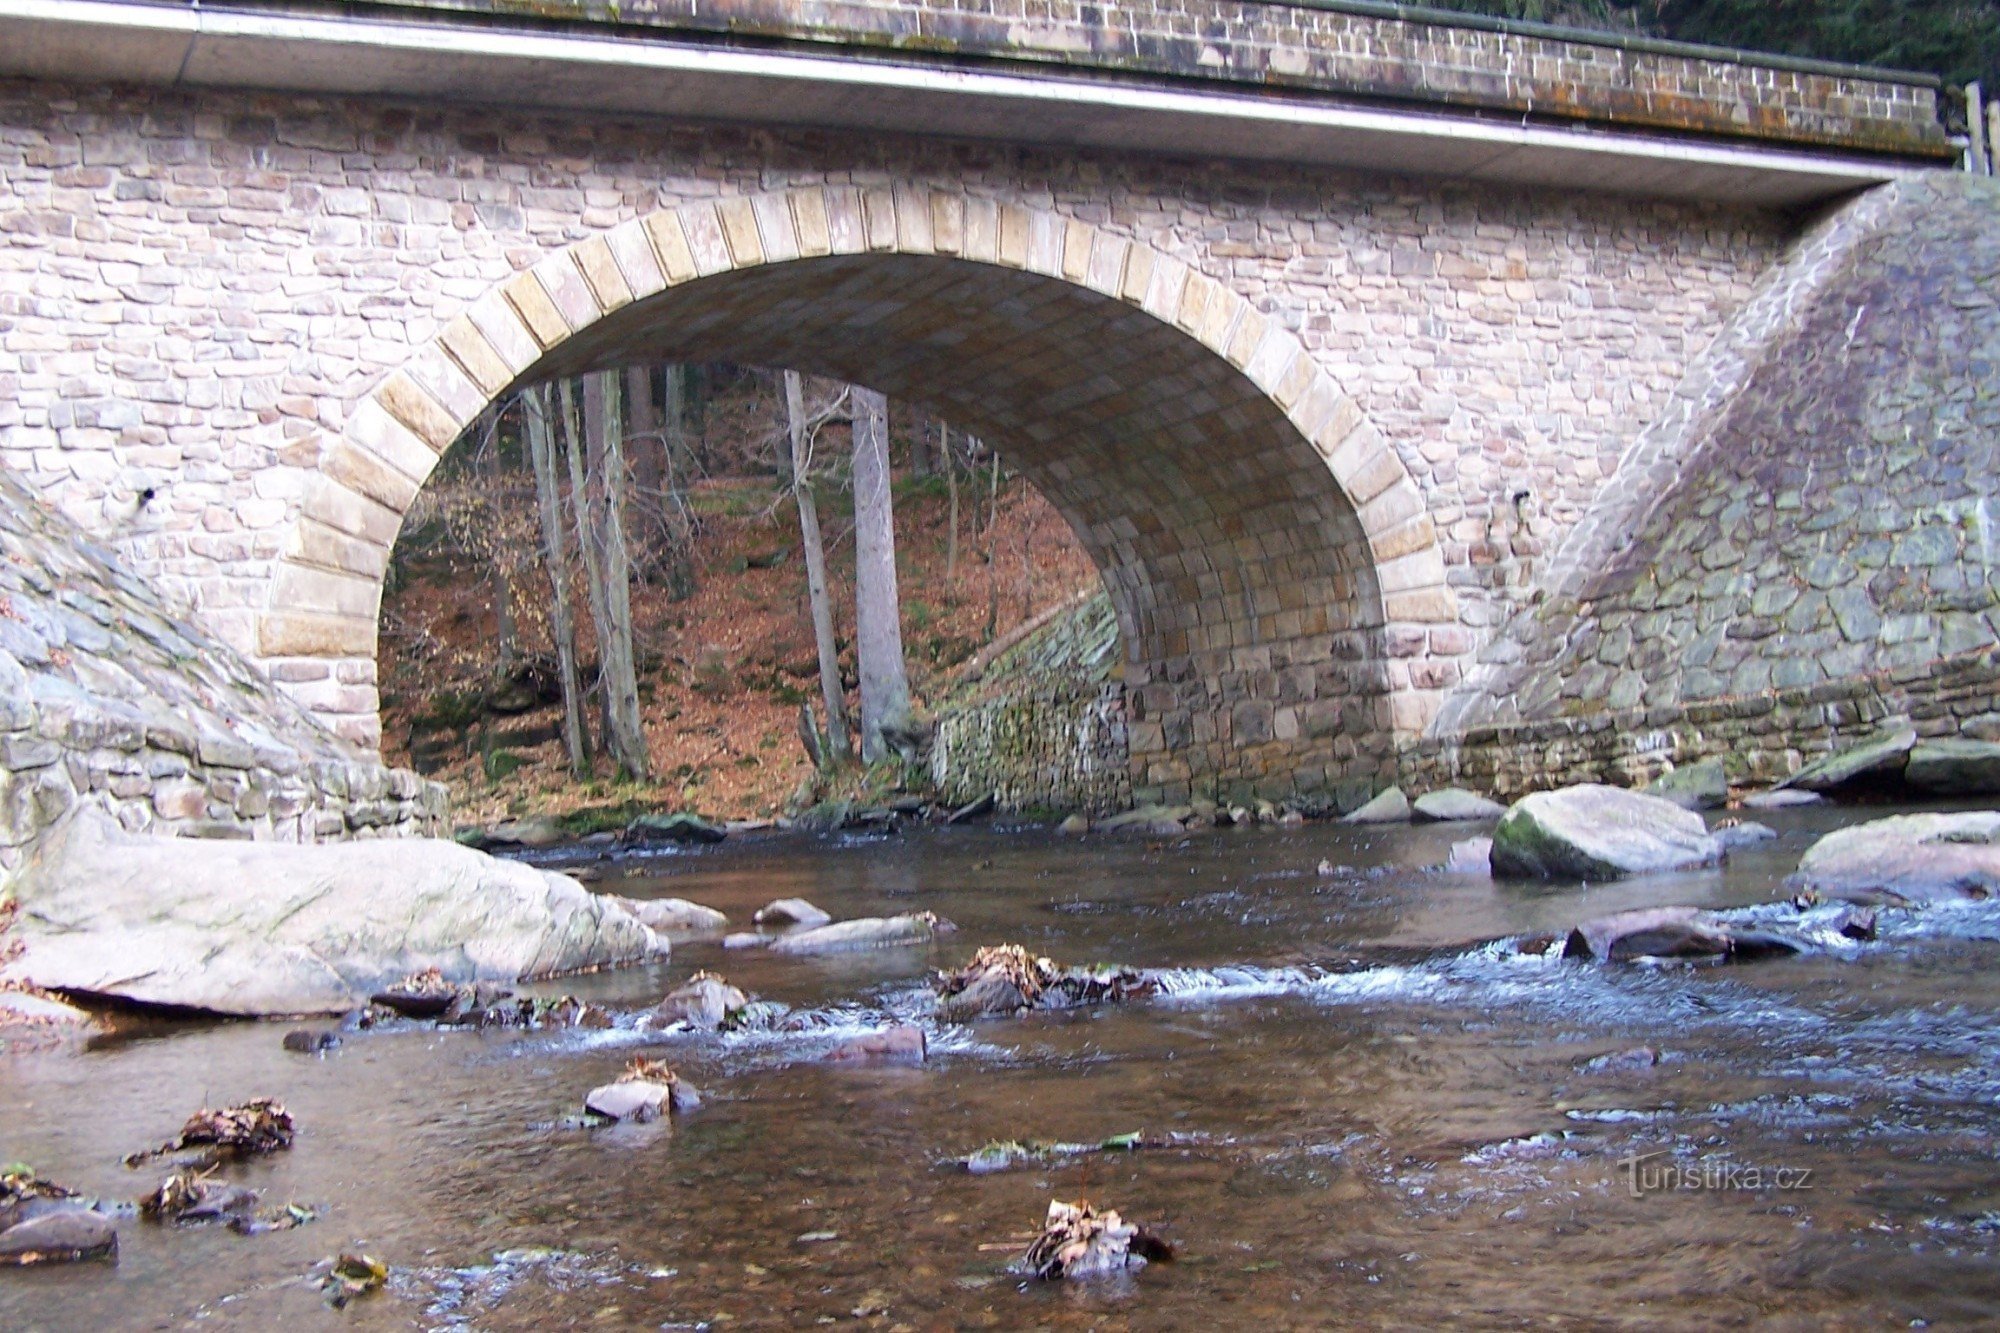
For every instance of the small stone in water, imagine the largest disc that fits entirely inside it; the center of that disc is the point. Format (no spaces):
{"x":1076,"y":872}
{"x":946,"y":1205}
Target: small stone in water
{"x":1858,"y":923}
{"x":311,"y":1041}
{"x":903,"y":1042}
{"x":64,"y":1235}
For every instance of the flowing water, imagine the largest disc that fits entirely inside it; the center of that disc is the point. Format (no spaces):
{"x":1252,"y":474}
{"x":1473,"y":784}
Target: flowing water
{"x":1366,"y":1112}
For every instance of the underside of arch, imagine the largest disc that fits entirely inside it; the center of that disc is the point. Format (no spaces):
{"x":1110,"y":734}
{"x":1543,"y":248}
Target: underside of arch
{"x":1258,"y":540}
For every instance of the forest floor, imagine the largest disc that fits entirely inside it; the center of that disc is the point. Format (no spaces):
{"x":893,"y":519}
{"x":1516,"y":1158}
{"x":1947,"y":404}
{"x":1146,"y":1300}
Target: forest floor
{"x":723,"y":670}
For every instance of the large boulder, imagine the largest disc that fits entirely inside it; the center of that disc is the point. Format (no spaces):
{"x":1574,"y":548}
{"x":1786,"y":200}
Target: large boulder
{"x":1880,"y":759}
{"x":1954,"y":767}
{"x":1594,"y":832}
{"x":255,"y":928}
{"x":1907,"y":859}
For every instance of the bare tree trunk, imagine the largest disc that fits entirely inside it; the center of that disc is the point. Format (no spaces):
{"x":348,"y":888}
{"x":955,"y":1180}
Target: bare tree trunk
{"x":604,"y":427}
{"x":920,"y":444}
{"x":645,"y":449}
{"x":878,"y":630}
{"x":992,"y":565}
{"x":562,"y":625}
{"x":838,"y":750}
{"x":951,"y":489}
{"x":505,"y":633}
{"x":679,"y":531}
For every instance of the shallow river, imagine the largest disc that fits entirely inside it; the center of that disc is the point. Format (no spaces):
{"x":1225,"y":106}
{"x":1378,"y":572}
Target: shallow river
{"x":1370,"y":1116}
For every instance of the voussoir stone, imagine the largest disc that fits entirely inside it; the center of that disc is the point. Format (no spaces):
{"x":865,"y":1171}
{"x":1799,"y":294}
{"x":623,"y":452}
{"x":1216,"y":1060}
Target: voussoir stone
{"x":1598,"y":832}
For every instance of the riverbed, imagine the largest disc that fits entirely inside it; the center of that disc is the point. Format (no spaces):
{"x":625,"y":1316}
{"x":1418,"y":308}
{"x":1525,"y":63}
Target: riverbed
{"x":1360,"y":1109}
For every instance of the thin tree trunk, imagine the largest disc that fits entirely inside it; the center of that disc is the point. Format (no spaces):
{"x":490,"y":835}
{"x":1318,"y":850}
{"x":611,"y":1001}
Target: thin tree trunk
{"x":604,"y":426}
{"x":920,"y":445}
{"x":992,"y":564}
{"x":645,"y":448}
{"x":951,"y":489}
{"x":505,"y":633}
{"x":586,"y":545}
{"x":562,"y":625}
{"x":838,"y":750}
{"x":878,"y":630}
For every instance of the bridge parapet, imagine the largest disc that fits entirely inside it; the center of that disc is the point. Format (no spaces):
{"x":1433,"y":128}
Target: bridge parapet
{"x":1352,"y":49}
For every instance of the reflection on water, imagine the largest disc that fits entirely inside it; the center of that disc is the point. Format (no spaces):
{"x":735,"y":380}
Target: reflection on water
{"x":1373,"y":1115}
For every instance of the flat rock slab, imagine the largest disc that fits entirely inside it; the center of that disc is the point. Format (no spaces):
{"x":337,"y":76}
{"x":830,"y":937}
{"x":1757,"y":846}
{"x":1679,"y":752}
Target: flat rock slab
{"x":1907,"y":859}
{"x":1954,"y":767}
{"x":1455,"y":805}
{"x":867,"y":932}
{"x":1595,"y":832}
{"x":1879,"y":758}
{"x":676,"y":918}
{"x":1743,"y":833}
{"x":1782,"y":798}
{"x":904,"y":1043}
{"x":262,"y":929}
{"x":1671,"y":932}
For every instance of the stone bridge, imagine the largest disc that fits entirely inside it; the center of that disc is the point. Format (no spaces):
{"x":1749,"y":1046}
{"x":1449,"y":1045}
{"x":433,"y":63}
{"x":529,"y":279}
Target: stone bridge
{"x":1323,"y":324}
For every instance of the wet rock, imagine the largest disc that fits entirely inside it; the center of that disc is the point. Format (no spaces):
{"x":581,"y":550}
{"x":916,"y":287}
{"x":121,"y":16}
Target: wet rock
{"x":1596,"y":832}
{"x":425,"y":994}
{"x":1877,"y":759}
{"x":1906,"y":859}
{"x":349,"y":1276}
{"x":1078,"y":1243}
{"x":536,"y":831}
{"x":1954,"y":767}
{"x":1005,"y":979}
{"x":1473,"y":856}
{"x":1734,"y":833}
{"x":904,"y":1043}
{"x":790,"y":912}
{"x":265,"y":929}
{"x":1455,"y":805}
{"x":1074,"y":825}
{"x":1857,"y":923}
{"x":1390,"y":807}
{"x":704,"y":1002}
{"x":24,"y":1195}
{"x":756,"y":1016}
{"x":258,"y":1126}
{"x":746,"y":939}
{"x":187,"y":1197}
{"x":1697,"y":786}
{"x":646,"y":1090}
{"x":653,"y":829}
{"x":1782,"y":798}
{"x":63,"y":1235}
{"x":675,"y":918}
{"x":1622,"y":1062}
{"x":1671,"y":932}
{"x":311,"y":1041}
{"x":868,"y":932}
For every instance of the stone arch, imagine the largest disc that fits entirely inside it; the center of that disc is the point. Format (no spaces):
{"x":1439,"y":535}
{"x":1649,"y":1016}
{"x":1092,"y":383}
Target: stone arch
{"x":1273,"y":563}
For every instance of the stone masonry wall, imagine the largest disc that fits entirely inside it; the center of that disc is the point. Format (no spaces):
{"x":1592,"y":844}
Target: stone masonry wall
{"x":197,"y":290}
{"x":1375,"y":51}
{"x":1045,"y":725}
{"x":107,"y":697}
{"x":1819,"y":551}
